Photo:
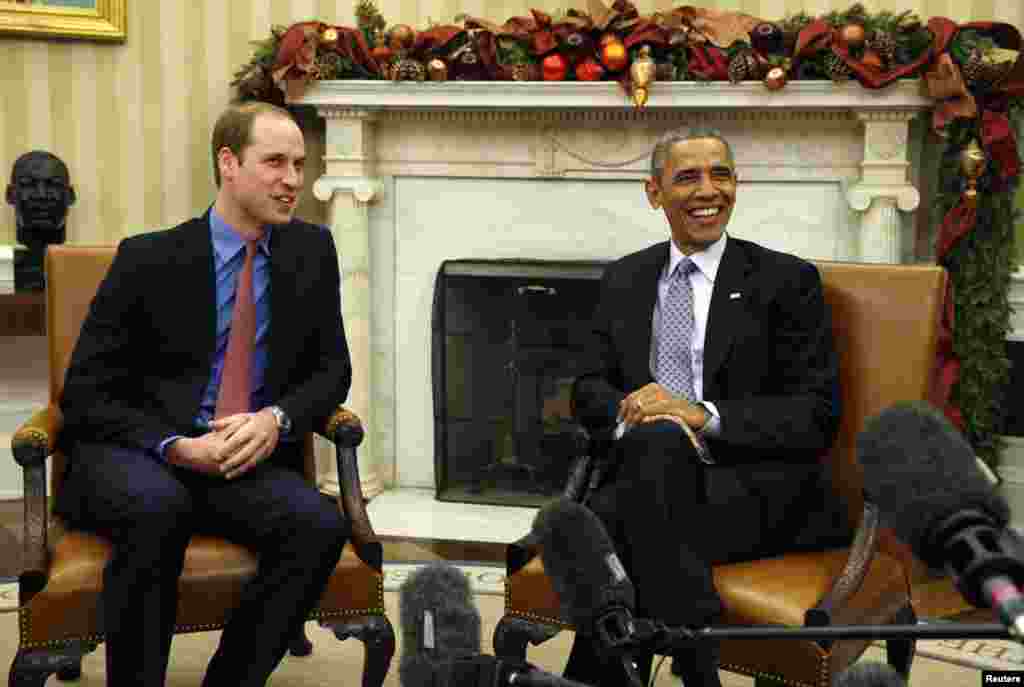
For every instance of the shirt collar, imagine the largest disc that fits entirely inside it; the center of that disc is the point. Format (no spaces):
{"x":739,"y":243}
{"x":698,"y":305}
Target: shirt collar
{"x":227,"y":242}
{"x":707,"y":260}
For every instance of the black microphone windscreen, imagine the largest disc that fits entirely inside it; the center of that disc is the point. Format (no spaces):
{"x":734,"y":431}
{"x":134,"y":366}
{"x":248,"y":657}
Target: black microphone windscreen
{"x":439,"y":622}
{"x":919,"y":470}
{"x":869,"y":674}
{"x":579,"y":558}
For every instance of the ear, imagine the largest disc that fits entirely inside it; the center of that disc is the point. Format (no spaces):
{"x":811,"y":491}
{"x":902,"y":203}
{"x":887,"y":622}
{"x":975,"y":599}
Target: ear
{"x":653,"y":193}
{"x":11,"y":195}
{"x":227,"y":163}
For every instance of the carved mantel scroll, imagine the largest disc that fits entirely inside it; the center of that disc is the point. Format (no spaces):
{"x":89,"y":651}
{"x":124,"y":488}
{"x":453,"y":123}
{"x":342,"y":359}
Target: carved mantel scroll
{"x":813,"y":133}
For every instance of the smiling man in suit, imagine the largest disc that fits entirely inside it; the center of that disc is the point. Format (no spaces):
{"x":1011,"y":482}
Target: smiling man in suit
{"x":713,"y":358}
{"x":208,"y":351}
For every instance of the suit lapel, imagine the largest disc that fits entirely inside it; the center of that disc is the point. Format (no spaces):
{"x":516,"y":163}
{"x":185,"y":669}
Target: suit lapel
{"x":642,"y":313}
{"x":282,"y":296}
{"x":726,"y":307}
{"x":195,"y":255}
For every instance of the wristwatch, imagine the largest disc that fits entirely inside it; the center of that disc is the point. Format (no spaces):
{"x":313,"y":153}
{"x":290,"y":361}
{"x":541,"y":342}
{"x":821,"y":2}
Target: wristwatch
{"x":284,"y":423}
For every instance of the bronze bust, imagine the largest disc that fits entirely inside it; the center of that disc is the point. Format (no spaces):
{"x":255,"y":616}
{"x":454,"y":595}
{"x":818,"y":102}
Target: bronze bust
{"x":41,"y":193}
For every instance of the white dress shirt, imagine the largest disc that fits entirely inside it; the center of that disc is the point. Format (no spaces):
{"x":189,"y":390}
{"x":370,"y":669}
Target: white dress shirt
{"x":702,"y":281}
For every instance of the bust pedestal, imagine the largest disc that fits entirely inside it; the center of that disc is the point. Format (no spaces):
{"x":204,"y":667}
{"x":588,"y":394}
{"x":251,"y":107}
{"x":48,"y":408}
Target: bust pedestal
{"x":28,"y":269}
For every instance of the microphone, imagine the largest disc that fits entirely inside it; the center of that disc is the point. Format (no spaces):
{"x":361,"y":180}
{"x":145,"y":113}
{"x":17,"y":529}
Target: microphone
{"x":587,"y":575}
{"x":869,"y":674}
{"x":441,"y":637}
{"x":439,"y":622}
{"x":923,"y":476}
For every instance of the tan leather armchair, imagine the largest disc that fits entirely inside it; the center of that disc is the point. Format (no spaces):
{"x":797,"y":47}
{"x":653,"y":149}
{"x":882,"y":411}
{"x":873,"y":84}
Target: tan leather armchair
{"x":62,"y":570}
{"x":885,"y":321}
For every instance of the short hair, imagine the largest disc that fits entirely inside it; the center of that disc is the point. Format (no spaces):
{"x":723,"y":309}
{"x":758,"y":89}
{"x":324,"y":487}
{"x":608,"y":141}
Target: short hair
{"x":661,"y":149}
{"x":39,"y":154}
{"x":233,"y":129}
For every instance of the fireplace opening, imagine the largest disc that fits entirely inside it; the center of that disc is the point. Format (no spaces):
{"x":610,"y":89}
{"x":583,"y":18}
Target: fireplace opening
{"x":507,"y":337}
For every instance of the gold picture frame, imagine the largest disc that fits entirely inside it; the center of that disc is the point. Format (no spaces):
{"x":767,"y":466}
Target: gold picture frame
{"x":101,"y":20}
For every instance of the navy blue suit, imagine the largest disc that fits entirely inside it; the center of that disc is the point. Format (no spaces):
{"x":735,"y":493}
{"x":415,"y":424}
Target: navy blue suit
{"x":136,"y":377}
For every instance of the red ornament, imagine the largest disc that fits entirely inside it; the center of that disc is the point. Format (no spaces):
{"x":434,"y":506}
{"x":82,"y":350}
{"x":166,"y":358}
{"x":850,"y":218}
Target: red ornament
{"x":871,"y":59}
{"x":554,"y":67}
{"x":613,"y":54}
{"x":382,"y":53}
{"x":589,"y":70}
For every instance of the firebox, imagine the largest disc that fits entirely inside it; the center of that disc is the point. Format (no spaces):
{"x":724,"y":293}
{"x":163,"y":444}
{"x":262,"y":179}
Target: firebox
{"x":507,"y":337}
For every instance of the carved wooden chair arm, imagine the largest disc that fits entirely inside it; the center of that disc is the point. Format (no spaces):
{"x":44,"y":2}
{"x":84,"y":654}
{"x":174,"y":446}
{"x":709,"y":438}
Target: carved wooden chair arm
{"x":345,"y":429}
{"x":31,"y":445}
{"x":577,"y":488}
{"x":862,"y":551}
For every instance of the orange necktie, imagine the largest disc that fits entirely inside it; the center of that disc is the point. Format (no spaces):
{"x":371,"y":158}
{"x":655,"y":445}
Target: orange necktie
{"x":234,"y":395}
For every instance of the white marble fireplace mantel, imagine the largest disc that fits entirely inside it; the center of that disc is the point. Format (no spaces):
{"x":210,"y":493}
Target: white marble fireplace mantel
{"x":417,"y":173}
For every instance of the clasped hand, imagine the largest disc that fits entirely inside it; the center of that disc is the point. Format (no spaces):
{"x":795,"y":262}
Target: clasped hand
{"x":233,"y":446}
{"x":654,"y":402}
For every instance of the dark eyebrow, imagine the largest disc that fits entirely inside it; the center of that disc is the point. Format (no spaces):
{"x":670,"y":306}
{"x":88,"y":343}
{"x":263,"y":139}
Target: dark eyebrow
{"x":688,"y":171}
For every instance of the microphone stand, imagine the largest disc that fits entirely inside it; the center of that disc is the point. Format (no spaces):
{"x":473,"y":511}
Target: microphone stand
{"x":650,"y":635}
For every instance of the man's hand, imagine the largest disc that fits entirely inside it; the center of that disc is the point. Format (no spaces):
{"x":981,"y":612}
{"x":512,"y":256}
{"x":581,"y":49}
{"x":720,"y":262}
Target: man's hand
{"x":632,"y":407}
{"x":678,"y":410}
{"x":248,"y":438}
{"x":202,"y":454}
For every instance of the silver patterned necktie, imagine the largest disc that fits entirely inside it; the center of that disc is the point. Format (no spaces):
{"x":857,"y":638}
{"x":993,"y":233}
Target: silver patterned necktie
{"x":675,"y":336}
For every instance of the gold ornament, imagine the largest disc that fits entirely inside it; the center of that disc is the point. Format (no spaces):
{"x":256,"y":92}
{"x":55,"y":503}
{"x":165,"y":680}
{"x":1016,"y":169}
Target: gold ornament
{"x":852,"y":36}
{"x":437,"y":70}
{"x":329,"y":35}
{"x":972,"y":163}
{"x":402,"y":38}
{"x":775,"y":78}
{"x":642,"y":75}
{"x":613,"y":53}
{"x":525,"y":72}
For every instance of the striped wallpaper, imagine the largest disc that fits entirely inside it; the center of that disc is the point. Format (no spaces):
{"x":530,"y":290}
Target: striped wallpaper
{"x":133,"y":120}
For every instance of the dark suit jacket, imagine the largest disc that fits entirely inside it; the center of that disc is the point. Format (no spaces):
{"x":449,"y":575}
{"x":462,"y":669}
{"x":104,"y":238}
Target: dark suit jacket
{"x":146,"y":348}
{"x":770,"y":366}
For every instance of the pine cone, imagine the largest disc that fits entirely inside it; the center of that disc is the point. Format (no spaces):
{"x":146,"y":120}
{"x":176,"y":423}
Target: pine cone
{"x":743,"y":66}
{"x":883,"y":43}
{"x":980,"y":74}
{"x":974,"y":71}
{"x":410,"y":70}
{"x":836,"y":68}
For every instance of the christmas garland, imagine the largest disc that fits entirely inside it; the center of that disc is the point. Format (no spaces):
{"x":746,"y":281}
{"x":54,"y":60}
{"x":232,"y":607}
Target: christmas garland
{"x":974,"y":72}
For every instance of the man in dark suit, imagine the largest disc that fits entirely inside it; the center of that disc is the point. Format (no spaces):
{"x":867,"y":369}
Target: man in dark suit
{"x":713,"y":358}
{"x":209,"y":351}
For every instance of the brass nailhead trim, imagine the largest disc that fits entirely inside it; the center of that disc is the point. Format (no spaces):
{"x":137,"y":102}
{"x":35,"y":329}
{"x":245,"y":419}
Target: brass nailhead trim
{"x":24,"y":623}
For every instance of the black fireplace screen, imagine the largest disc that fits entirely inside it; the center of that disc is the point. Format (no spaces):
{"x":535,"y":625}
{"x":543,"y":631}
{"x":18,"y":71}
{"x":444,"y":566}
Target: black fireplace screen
{"x":506,"y":342}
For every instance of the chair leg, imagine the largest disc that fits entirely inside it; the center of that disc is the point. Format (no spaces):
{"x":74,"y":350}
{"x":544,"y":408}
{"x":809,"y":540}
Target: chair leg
{"x":300,"y":644}
{"x":512,"y":633}
{"x":900,"y":652}
{"x":376,"y":633}
{"x":71,"y":672}
{"x":32,"y":667}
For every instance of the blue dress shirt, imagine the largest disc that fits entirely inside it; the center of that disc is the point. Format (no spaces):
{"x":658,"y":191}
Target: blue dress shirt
{"x":228,"y":258}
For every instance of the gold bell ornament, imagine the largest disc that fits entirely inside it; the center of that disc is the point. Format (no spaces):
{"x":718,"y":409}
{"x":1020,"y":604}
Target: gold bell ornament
{"x":972,"y":163}
{"x":642,"y":74}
